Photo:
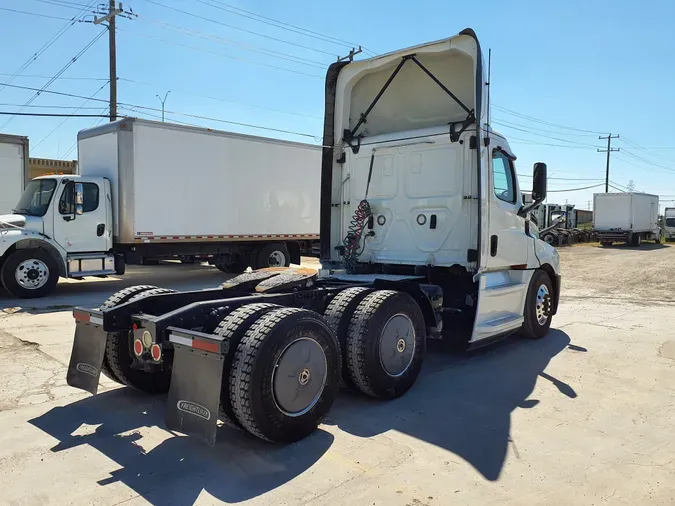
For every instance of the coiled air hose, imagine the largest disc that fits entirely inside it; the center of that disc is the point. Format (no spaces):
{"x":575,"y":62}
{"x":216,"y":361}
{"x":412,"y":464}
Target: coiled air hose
{"x":352,"y":242}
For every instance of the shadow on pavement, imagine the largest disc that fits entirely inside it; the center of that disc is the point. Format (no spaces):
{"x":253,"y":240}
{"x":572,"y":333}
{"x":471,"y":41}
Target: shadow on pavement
{"x":176,"y":471}
{"x":464,"y":403}
{"x":646,"y":246}
{"x":461,"y":403}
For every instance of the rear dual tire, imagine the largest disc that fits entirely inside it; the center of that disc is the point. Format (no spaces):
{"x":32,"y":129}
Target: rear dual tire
{"x":284,"y":373}
{"x":117,"y":359}
{"x":382,"y":338}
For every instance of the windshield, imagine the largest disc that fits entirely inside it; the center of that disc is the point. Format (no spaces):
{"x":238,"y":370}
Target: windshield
{"x":670,"y":222}
{"x":36,"y":197}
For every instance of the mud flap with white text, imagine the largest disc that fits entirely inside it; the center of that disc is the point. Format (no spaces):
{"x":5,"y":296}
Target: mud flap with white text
{"x":86,"y":358}
{"x":194,"y":396}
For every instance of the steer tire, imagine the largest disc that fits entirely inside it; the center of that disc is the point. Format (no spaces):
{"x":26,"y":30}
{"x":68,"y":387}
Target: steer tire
{"x":118,"y":355}
{"x":116,"y":299}
{"x":338,"y":315}
{"x":233,"y":327}
{"x":532,"y":329}
{"x":14,"y":262}
{"x":270,"y":375}
{"x":367,"y":345}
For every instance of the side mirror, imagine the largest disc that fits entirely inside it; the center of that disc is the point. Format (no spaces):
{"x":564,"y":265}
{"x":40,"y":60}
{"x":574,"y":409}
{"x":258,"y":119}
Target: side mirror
{"x":539,"y":182}
{"x":78,"y":209}
{"x":538,"y":189}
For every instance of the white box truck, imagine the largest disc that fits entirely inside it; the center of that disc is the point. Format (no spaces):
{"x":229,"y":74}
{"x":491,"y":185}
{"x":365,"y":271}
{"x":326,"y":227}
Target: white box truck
{"x":626,"y":217}
{"x":424,"y":234}
{"x":669,"y":223}
{"x":157,"y":190}
{"x":13,"y":170}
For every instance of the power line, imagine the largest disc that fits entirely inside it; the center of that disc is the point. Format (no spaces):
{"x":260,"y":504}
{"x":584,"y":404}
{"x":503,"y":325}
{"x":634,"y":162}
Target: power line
{"x":575,"y":189}
{"x":66,"y":119}
{"x":62,"y":78}
{"x":174,"y":90}
{"x":48,"y":114}
{"x":543,"y":122}
{"x":194,"y":48}
{"x":234,"y":27}
{"x":505,"y":122}
{"x":59,"y":3}
{"x":63,"y":69}
{"x":47,"y":44}
{"x":47,"y":16}
{"x":240,"y":45}
{"x":96,"y":122}
{"x":279,"y":24}
{"x":546,"y":136}
{"x":35,"y":106}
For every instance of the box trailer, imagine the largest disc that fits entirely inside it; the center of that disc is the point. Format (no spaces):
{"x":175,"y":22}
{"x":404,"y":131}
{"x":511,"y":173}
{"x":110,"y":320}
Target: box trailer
{"x":424,"y":235}
{"x":626,"y":217}
{"x":157,"y":190}
{"x":13,"y":170}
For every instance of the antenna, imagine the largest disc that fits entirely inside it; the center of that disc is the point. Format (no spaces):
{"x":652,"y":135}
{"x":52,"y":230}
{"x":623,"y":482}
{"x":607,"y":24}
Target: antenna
{"x":488,"y":88}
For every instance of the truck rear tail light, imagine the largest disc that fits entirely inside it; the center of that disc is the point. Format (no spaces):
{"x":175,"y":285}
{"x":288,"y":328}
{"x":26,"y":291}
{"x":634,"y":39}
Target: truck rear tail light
{"x":156,"y":352}
{"x":138,"y":347}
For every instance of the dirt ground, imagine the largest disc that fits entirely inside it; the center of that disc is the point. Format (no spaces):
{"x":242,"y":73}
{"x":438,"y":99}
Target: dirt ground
{"x":585,"y":415}
{"x":641,"y":276}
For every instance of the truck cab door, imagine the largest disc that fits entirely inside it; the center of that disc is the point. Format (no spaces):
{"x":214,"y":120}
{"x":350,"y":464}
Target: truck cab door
{"x":503,"y":278}
{"x":82,"y":216}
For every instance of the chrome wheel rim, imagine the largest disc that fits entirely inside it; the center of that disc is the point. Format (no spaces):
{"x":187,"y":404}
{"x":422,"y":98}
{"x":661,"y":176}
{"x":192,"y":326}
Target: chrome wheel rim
{"x":32,"y":274}
{"x":397,"y":345}
{"x":277,"y":259}
{"x":543,"y":305}
{"x":299,"y":377}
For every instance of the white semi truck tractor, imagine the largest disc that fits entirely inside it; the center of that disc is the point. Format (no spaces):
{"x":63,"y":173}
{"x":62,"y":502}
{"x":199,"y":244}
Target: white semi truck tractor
{"x":151,"y":190}
{"x":424,"y":235}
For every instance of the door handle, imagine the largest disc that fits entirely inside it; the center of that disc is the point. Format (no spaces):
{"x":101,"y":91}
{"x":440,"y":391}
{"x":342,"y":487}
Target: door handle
{"x":494,"y":242}
{"x":100,"y":229}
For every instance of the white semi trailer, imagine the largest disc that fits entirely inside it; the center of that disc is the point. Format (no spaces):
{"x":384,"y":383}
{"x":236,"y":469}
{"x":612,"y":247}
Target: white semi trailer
{"x":626,"y":217}
{"x":423,"y":235}
{"x":153,"y":190}
{"x":13,"y":170}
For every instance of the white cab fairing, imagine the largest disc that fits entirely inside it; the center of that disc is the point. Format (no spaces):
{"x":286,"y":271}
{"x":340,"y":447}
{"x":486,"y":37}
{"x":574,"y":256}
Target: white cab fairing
{"x":423,"y":191}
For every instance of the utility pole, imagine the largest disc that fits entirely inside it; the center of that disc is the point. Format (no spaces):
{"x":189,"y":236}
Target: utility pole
{"x":608,"y":151}
{"x":163,"y":101}
{"x":109,"y":17}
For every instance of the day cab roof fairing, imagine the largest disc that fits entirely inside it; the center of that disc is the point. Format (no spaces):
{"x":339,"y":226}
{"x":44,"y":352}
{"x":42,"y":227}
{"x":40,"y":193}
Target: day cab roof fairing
{"x":440,"y":83}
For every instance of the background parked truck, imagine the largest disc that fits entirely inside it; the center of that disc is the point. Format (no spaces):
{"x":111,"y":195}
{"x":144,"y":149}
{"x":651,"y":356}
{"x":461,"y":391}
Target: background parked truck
{"x":157,"y":190}
{"x":13,"y":170}
{"x":626,"y":217}
{"x":669,"y":223}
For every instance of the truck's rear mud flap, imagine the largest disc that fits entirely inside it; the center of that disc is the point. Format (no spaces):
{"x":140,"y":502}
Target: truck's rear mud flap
{"x":86,"y":358}
{"x":194,"y":396}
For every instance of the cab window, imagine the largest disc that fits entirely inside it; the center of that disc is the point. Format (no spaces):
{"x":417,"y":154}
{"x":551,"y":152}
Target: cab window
{"x":89,"y":198}
{"x":503,"y":177}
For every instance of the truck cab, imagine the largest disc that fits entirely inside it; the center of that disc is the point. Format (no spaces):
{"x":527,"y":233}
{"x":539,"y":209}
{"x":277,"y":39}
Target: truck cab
{"x":669,"y":223}
{"x":61,"y":226}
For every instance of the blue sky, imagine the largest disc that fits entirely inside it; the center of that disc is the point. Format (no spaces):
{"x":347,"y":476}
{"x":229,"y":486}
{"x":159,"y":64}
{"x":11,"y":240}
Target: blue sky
{"x":596,"y":66}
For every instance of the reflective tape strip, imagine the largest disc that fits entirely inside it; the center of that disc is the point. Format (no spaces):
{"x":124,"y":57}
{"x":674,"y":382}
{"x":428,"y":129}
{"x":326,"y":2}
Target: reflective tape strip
{"x":180,"y":340}
{"x":96,"y":320}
